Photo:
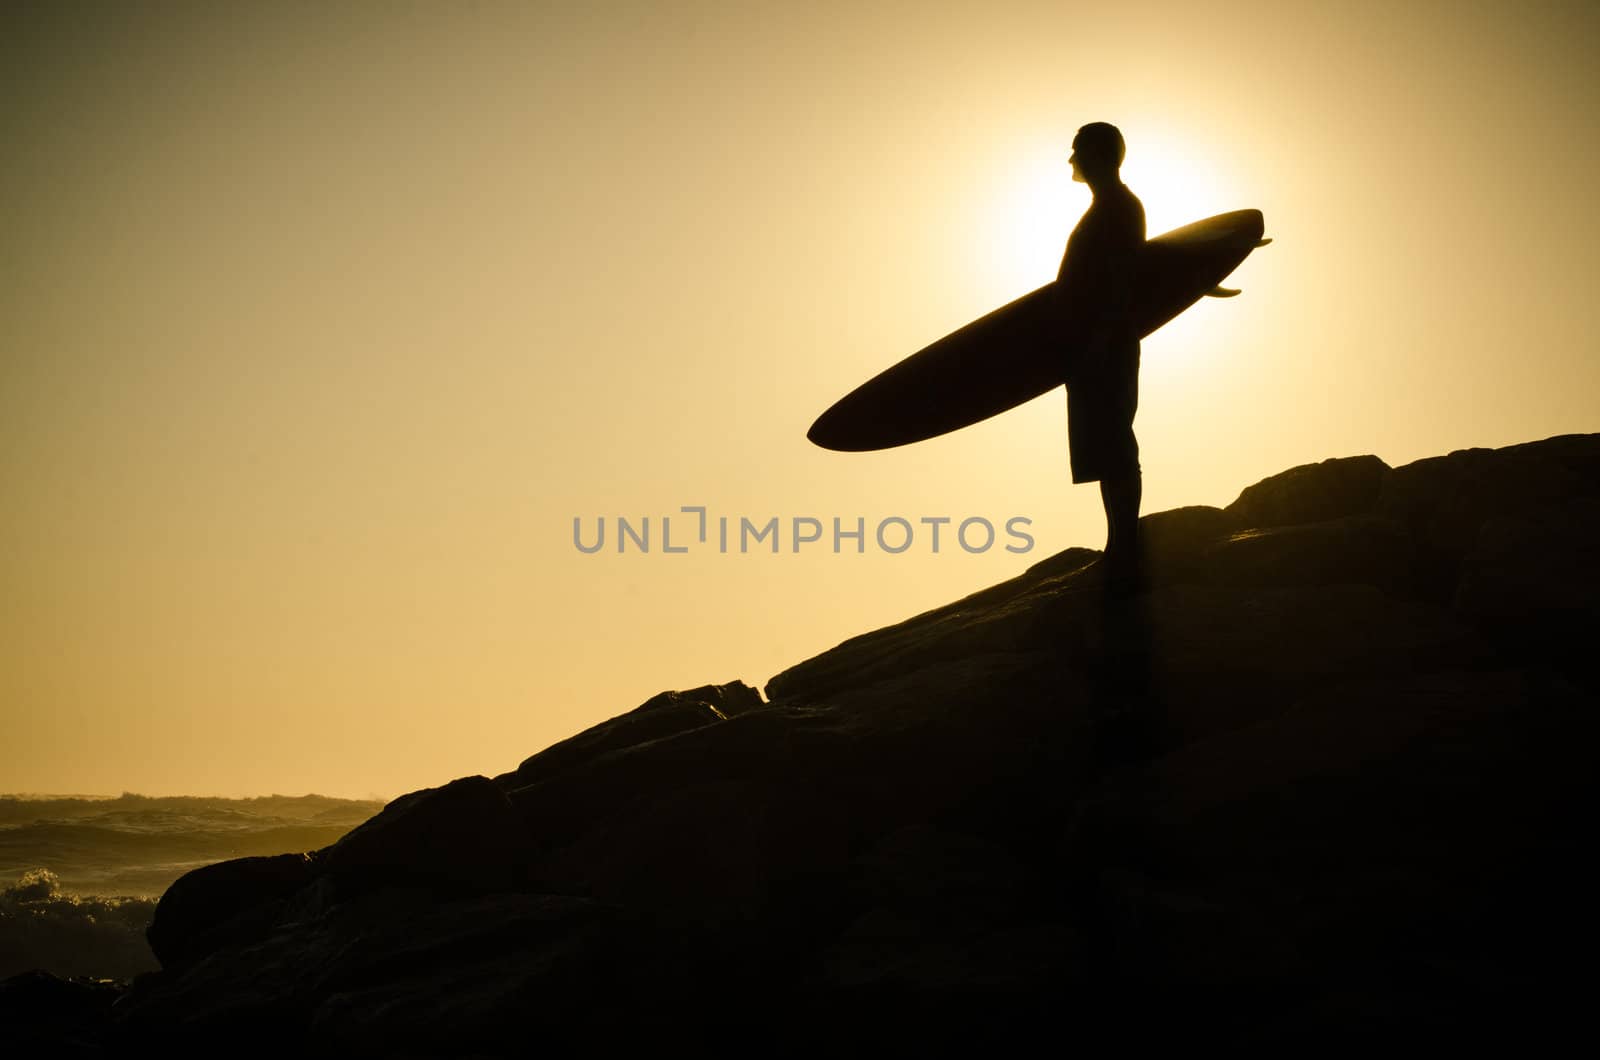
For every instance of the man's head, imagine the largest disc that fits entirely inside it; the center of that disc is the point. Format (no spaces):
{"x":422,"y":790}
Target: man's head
{"x":1097,"y":152}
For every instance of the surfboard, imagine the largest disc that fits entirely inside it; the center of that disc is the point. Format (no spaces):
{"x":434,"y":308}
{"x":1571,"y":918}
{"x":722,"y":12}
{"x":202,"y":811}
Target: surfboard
{"x":1020,"y":350}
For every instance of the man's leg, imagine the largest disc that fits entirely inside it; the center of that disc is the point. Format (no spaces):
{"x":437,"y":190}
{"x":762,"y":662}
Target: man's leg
{"x":1122,"y":488}
{"x":1121,"y":494}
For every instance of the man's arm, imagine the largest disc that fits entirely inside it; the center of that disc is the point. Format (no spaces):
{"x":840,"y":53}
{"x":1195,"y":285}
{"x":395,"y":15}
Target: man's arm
{"x":1110,"y":294}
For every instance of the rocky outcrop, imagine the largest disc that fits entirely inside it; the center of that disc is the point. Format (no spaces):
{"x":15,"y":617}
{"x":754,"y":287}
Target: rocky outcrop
{"x":464,"y":837}
{"x":216,"y":905}
{"x":658,"y":717}
{"x":1323,"y":777}
{"x":1312,"y":493}
{"x":41,"y":1014}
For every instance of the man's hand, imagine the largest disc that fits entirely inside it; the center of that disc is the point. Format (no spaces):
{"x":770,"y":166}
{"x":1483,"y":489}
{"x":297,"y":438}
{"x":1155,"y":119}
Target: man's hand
{"x":1229,"y":292}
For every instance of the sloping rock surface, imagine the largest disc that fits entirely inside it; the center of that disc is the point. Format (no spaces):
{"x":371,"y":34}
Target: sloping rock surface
{"x":1324,"y":778}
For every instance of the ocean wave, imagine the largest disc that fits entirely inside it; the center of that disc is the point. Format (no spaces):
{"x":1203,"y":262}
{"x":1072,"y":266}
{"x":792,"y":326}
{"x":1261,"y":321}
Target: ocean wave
{"x":138,"y":846}
{"x":43,"y":926}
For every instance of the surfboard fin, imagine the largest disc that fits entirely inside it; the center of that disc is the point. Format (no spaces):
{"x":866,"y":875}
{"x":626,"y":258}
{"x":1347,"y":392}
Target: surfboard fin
{"x":1222,"y":292}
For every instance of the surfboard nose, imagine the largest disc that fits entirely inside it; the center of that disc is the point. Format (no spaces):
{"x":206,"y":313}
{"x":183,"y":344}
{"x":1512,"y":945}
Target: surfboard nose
{"x":825,"y":434}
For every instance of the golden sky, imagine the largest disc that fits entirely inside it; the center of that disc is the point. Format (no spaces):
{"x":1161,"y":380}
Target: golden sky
{"x":320,"y":323}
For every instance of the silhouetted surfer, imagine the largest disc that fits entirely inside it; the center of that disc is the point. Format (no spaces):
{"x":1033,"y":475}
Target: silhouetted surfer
{"x":1103,"y":379}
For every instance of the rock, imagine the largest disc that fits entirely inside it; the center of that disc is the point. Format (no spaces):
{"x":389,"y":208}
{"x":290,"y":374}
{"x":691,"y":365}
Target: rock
{"x":460,"y":977}
{"x":1408,"y":823}
{"x":221,"y":904}
{"x":1063,"y":562}
{"x":1533,"y":580}
{"x":395,"y":972}
{"x":946,"y":911}
{"x":1196,"y":660}
{"x":659,"y":716}
{"x":1311,"y":493}
{"x":1361,"y":549}
{"x":1446,"y":500}
{"x":1529,"y":565}
{"x":67,"y":1017}
{"x":462,"y":838}
{"x":1175,"y":543}
{"x":1018,"y":615}
{"x":739,"y":819}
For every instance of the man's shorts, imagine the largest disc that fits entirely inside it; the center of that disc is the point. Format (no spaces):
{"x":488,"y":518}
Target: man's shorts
{"x":1100,"y":410}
